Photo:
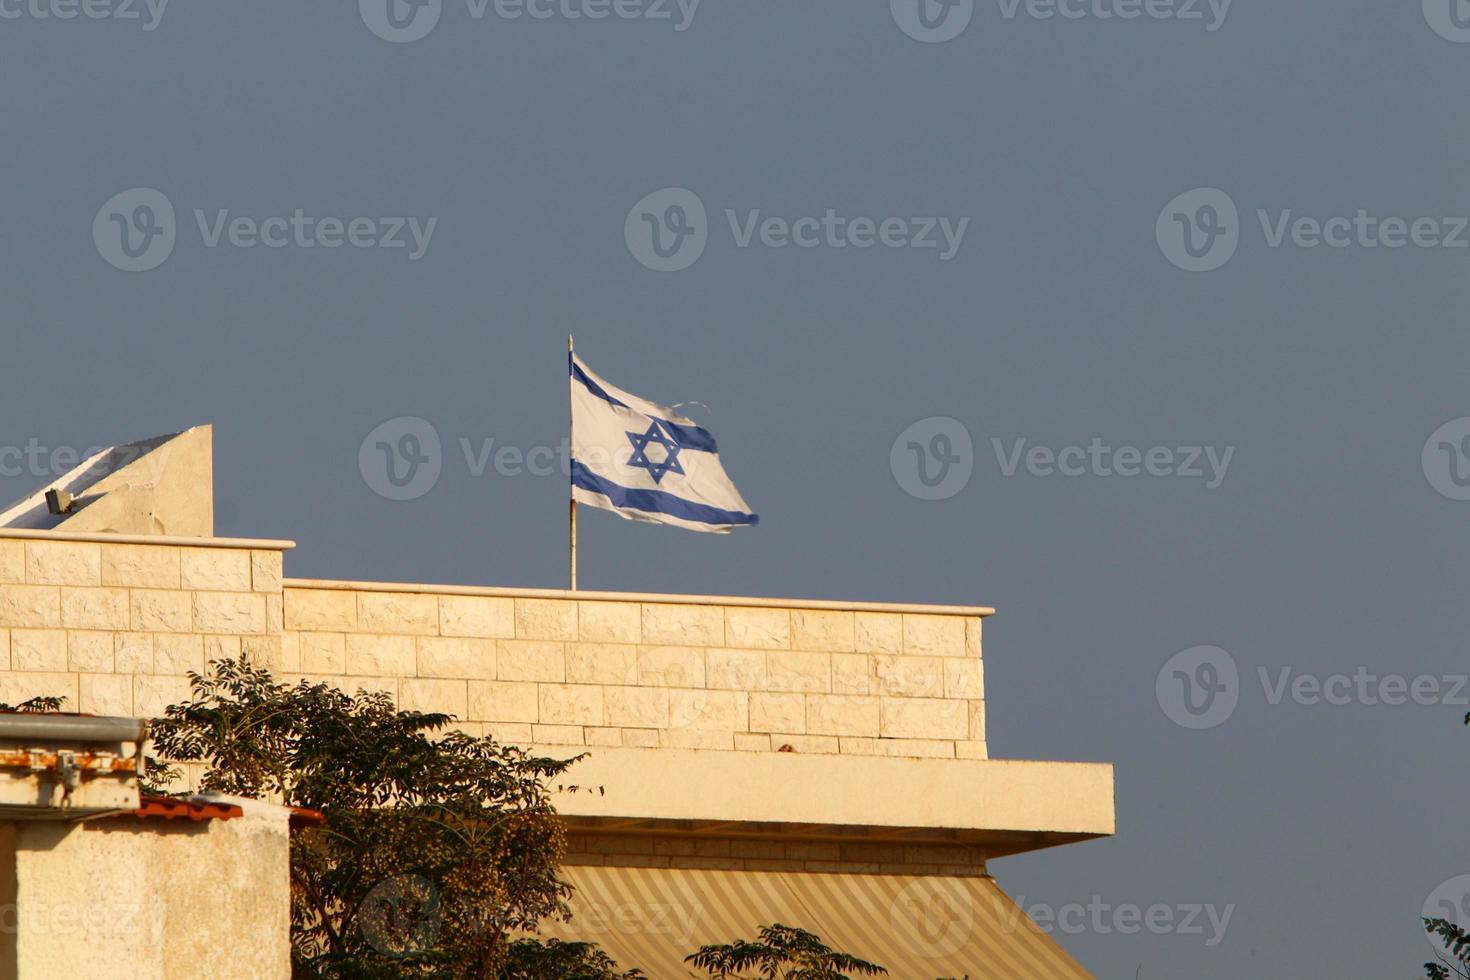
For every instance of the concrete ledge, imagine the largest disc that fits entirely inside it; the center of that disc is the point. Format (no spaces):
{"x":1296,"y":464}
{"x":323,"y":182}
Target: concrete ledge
{"x":960,"y":799}
{"x":101,"y":537}
{"x":687,"y":600}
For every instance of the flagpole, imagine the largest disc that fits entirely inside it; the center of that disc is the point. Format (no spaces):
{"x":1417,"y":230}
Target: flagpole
{"x":571,"y":500}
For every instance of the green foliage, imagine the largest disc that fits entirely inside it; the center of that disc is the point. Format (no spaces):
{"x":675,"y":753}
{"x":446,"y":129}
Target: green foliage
{"x":782,"y":953}
{"x":1456,"y":961}
{"x":437,"y":845}
{"x":440,"y":851}
{"x":34,"y":706}
{"x":557,"y":960}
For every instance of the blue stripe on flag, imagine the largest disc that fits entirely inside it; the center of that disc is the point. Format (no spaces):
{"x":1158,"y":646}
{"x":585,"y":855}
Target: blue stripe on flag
{"x":685,"y":436}
{"x":656,"y":501}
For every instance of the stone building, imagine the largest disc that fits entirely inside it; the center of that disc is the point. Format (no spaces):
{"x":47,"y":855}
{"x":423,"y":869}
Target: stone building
{"x":822,"y":764}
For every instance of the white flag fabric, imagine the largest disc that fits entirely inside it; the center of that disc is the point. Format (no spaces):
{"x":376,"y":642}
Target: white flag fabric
{"x":646,"y":462}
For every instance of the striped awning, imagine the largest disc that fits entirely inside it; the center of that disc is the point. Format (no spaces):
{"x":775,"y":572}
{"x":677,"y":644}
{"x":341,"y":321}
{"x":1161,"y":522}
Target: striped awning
{"x":918,"y":927}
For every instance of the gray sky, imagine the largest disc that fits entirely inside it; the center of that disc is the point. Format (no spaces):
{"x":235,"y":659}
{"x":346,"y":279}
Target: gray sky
{"x":1061,"y":318}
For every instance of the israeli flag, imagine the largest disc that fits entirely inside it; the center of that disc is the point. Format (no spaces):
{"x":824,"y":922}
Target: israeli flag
{"x":646,"y":462}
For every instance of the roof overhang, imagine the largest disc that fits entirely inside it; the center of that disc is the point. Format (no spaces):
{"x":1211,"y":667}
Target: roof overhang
{"x":1004,"y":806}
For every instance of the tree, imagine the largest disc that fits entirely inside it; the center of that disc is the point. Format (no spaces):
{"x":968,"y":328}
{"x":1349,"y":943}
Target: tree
{"x":440,"y":852}
{"x":781,"y":953}
{"x":437,"y":845}
{"x":1455,"y":962}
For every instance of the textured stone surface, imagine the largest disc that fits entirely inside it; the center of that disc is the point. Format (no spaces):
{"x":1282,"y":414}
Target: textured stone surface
{"x":229,"y":612}
{"x":777,"y":712}
{"x":792,"y":671}
{"x":817,"y":629}
{"x":671,"y":666}
{"x":766,"y":629}
{"x":637,"y":707}
{"x":602,"y":663}
{"x":380,"y":655}
{"x":456,"y":656}
{"x":841,"y":714}
{"x":609,"y":622}
{"x":477,"y":616}
{"x":30,"y":605}
{"x":63,"y":563}
{"x":934,"y":636}
{"x":321,"y":609}
{"x":215,"y":569}
{"x":666,"y":623}
{"x":89,"y":651}
{"x":503,"y":701}
{"x":602,"y":673}
{"x":141,"y":566}
{"x":38,"y":650}
{"x":12,"y":562}
{"x":530,"y":660}
{"x":571,"y":704}
{"x":546,"y":619}
{"x":156,"y":610}
{"x":104,"y":609}
{"x":737,"y":670}
{"x":398,"y":612}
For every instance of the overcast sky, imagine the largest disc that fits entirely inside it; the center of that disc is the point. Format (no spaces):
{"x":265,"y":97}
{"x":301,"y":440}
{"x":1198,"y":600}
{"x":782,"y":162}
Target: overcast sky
{"x":1050,"y":230}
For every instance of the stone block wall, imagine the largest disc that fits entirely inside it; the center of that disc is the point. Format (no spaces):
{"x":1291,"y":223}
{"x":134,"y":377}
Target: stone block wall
{"x":115,"y":625}
{"x":114,"y":628}
{"x":633,"y":672}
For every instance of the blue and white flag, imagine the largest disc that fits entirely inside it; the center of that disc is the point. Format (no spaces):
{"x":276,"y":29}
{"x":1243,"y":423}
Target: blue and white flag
{"x":646,"y":462}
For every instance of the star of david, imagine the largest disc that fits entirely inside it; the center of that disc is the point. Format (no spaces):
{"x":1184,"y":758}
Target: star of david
{"x":656,"y":467}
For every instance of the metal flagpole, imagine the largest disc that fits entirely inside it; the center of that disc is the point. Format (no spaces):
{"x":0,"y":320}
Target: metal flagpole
{"x":571,"y":434}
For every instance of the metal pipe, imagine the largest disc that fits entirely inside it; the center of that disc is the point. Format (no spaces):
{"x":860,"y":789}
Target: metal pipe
{"x":83,"y":728}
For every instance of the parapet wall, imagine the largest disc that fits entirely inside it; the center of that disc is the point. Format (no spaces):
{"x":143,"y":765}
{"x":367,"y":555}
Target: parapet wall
{"x":114,"y":624}
{"x":644,"y":671}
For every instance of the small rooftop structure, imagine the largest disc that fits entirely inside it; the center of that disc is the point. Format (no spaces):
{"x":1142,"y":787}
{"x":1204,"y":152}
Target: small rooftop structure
{"x":162,"y":485}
